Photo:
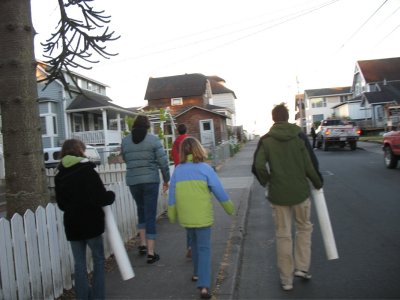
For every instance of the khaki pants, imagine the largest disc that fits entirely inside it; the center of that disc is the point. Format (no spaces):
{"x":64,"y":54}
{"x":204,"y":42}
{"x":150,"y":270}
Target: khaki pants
{"x":299,"y":259}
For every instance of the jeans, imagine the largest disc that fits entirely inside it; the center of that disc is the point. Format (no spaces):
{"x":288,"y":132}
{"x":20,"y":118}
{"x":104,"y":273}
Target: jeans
{"x":188,"y":241}
{"x":297,"y":256}
{"x":201,"y":254}
{"x":146,"y":197}
{"x":82,"y":289}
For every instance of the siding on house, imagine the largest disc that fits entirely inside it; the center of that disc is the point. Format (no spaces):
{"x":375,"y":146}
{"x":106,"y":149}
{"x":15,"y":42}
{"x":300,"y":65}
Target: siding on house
{"x":352,"y":110}
{"x":192,"y":120}
{"x":174,"y":109}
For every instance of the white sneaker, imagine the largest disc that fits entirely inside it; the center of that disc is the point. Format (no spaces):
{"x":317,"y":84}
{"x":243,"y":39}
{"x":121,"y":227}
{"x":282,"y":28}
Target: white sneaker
{"x":287,"y":287}
{"x":302,"y":274}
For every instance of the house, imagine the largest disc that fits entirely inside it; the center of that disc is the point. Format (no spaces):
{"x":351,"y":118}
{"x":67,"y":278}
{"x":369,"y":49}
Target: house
{"x":189,"y":99}
{"x":318,"y":103}
{"x":377,"y":84}
{"x":86,"y":113}
{"x":373,"y":100}
{"x":223,"y":97}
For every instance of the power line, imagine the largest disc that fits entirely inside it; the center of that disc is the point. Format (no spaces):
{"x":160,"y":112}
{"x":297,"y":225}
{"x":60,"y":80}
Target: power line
{"x":287,"y":19}
{"x":363,"y":24}
{"x":386,"y":36}
{"x":275,"y":23}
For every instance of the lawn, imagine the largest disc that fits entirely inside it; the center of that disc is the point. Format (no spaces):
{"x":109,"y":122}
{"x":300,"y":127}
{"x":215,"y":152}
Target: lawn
{"x":372,"y":138}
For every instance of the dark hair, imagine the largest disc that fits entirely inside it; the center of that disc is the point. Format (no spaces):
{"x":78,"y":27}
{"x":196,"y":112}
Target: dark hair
{"x":182,"y":129}
{"x":141,"y":121}
{"x":280,"y":113}
{"x":73,"y":147}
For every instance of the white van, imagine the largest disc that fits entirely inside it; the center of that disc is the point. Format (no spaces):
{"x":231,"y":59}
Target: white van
{"x":52,"y":156}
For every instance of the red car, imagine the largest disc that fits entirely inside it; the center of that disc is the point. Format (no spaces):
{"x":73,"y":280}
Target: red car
{"x":391,"y":148}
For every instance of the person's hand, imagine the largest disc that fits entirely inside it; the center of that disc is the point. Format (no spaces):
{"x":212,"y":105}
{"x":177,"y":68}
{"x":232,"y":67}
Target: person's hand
{"x":165,"y":187}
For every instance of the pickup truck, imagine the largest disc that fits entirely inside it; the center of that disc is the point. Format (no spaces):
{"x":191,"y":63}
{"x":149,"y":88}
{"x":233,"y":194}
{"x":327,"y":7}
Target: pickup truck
{"x":336,"y":132}
{"x":391,"y":148}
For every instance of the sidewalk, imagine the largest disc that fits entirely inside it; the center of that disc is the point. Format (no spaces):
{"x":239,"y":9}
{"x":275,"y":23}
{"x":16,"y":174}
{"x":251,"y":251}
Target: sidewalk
{"x":170,"y":277}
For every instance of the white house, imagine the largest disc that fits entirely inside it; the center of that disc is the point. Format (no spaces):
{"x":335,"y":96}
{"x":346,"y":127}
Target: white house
{"x":318,"y":103}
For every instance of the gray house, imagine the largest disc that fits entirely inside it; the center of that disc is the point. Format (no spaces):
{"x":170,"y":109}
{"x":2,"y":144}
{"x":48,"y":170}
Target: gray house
{"x":377,"y":83}
{"x":88,"y":115}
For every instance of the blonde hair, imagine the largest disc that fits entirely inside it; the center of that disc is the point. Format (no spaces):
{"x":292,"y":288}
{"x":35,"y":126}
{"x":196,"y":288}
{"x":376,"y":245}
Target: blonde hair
{"x":191,"y":145}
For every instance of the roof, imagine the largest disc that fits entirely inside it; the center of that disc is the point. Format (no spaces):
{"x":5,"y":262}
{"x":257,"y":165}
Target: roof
{"x":90,"y":100}
{"x":217,"y":87}
{"x":41,"y":65}
{"x":387,"y":93}
{"x":209,"y":107}
{"x":176,"y":86}
{"x":328,"y":91}
{"x":380,"y":69}
{"x":346,"y":103}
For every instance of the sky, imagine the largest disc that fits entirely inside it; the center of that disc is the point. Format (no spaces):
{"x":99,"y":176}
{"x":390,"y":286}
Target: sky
{"x":266,"y":51}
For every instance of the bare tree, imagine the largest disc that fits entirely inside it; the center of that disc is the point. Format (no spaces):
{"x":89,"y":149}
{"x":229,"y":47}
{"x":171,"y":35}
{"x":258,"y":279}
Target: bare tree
{"x":26,"y":184}
{"x":74,"y":41}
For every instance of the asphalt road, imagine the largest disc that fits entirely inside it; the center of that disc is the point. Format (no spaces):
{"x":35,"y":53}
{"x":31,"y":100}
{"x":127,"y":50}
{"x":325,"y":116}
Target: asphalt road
{"x":363,"y":199}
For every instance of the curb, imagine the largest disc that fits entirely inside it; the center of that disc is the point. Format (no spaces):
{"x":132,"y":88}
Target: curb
{"x":229,"y":268}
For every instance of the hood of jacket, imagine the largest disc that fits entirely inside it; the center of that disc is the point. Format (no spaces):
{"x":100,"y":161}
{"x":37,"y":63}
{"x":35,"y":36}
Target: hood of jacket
{"x":69,"y":160}
{"x":138,"y":134}
{"x":284,"y":131}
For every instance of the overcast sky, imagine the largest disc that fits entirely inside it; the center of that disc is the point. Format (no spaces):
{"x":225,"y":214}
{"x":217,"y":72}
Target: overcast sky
{"x":259,"y":47}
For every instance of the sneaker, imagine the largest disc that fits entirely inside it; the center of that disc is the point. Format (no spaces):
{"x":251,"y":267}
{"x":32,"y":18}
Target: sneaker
{"x":287,"y":287}
{"x":151,"y":259}
{"x":142,"y":250}
{"x":302,"y":274}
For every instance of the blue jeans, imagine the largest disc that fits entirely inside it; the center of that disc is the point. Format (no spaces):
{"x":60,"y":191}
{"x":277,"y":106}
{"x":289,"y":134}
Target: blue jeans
{"x":201,"y":254}
{"x":82,"y":289}
{"x":146,"y":197}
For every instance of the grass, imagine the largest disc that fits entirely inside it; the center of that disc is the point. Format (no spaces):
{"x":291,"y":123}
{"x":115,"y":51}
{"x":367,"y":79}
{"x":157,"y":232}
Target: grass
{"x":372,"y":138}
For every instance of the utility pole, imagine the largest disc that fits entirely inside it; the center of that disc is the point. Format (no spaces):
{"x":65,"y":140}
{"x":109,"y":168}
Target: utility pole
{"x":300,"y":100}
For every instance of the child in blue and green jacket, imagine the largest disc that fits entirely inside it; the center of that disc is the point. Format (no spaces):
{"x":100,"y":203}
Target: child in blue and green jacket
{"x":190,"y":202}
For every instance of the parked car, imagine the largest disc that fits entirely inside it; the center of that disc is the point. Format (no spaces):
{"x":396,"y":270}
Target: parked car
{"x":391,"y":148}
{"x":354,"y":124}
{"x":52,"y":156}
{"x":335,"y":132}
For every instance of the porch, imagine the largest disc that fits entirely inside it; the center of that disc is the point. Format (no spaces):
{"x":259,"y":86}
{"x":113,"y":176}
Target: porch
{"x":99,"y":137}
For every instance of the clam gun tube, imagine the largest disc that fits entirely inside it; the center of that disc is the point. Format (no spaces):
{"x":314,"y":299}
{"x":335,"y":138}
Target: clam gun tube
{"x":117,"y":245}
{"x":325,"y":223}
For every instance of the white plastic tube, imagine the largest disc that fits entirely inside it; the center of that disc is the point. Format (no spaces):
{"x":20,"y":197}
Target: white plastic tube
{"x":325,"y":223}
{"x":117,"y":246}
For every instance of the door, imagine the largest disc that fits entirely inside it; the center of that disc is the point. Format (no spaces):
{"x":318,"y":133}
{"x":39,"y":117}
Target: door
{"x":207,"y":133}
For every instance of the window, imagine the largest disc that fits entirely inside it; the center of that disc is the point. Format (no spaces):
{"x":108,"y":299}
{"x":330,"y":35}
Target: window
{"x":318,"y":102}
{"x":43,"y":125}
{"x":78,"y":125}
{"x":317,"y":118}
{"x":343,"y":98}
{"x":98,"y":124}
{"x":54,"y":124}
{"x":48,"y":124}
{"x":176,"y":101}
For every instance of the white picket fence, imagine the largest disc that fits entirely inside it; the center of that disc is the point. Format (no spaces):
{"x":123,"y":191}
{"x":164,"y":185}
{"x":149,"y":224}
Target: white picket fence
{"x":36,"y":261}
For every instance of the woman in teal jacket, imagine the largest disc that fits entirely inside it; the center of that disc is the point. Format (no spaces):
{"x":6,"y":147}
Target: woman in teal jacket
{"x":190,"y":202}
{"x":145,"y":158}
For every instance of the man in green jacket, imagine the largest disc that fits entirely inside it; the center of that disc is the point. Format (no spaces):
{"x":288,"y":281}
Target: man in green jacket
{"x":282,"y":164}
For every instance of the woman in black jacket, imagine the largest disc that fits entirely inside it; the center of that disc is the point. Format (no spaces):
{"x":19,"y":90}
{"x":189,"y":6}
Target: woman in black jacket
{"x":81,"y":194}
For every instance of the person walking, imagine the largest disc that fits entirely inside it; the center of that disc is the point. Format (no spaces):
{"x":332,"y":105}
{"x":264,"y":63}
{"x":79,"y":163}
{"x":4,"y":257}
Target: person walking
{"x":182,"y":130}
{"x":313,"y":135}
{"x":283,"y":165}
{"x":81,"y":194}
{"x":144,"y":156}
{"x":190,"y":202}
